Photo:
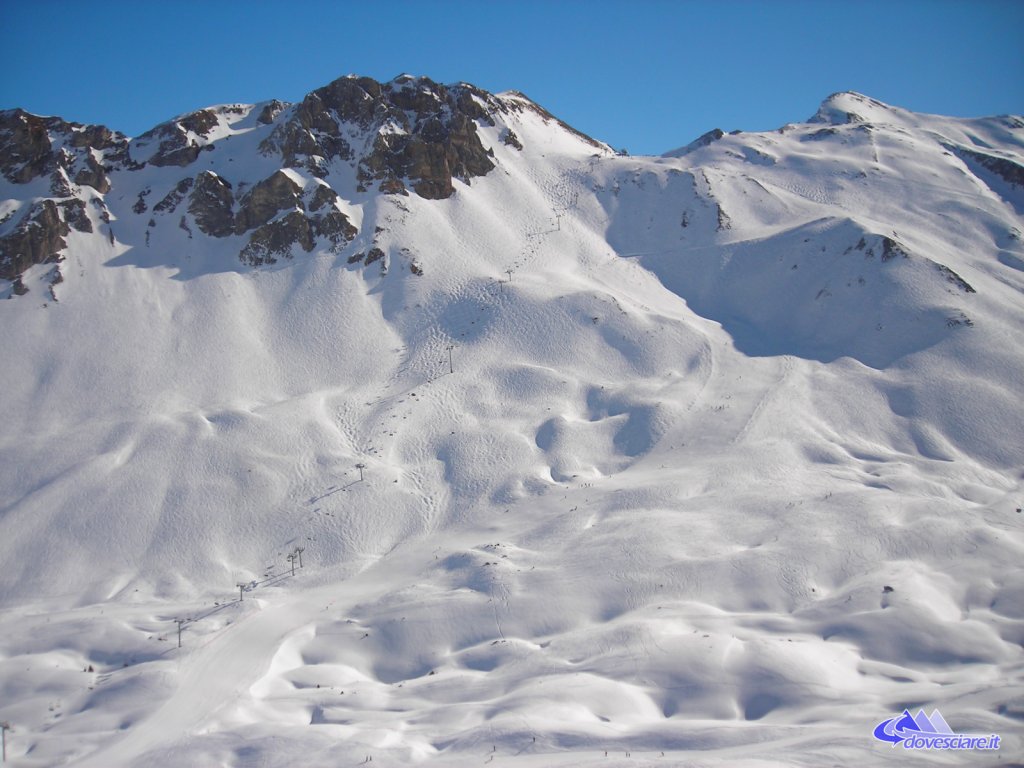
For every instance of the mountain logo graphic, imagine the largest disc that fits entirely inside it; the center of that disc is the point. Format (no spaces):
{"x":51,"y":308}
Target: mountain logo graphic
{"x":901,"y":727}
{"x":923,"y":731}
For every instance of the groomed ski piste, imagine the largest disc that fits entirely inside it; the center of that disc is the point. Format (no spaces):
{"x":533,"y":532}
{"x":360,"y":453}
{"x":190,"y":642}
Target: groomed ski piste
{"x":709,"y":459}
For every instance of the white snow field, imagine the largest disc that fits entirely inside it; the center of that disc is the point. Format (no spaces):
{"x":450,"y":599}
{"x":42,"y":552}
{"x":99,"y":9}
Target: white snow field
{"x":713,"y":459}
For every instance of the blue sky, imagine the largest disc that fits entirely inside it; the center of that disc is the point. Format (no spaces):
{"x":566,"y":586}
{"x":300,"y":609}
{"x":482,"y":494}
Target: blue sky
{"x":647,"y":76}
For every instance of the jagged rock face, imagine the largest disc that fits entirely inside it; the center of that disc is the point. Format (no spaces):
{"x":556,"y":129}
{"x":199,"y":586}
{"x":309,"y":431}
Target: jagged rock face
{"x":277,"y":238}
{"x":709,"y":138}
{"x":60,"y":185}
{"x":270,"y":112}
{"x":75,"y":215}
{"x":200,"y":122}
{"x":177,"y":147}
{"x":26,"y":146}
{"x":275,"y":193}
{"x":355,"y":100}
{"x":334,"y":226}
{"x":32,"y":147}
{"x":37,"y":239}
{"x":322,"y":196}
{"x":97,"y":137}
{"x":211,"y":205}
{"x":432,"y":157}
{"x":426,"y":132}
{"x":92,"y":174}
{"x":171,"y":199}
{"x":27,"y":149}
{"x":509,"y":139}
{"x":310,"y":133}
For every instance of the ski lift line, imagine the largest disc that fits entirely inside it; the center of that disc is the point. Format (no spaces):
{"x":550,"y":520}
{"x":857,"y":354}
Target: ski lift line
{"x":269,"y":579}
{"x":5,"y":727}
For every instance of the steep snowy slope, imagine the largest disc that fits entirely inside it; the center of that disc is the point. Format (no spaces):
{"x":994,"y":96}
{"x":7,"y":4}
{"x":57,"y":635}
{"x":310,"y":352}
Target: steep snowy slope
{"x":716,"y":455}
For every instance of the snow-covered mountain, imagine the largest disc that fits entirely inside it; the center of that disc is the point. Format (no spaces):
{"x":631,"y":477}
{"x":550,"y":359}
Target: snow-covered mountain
{"x":716,"y":455}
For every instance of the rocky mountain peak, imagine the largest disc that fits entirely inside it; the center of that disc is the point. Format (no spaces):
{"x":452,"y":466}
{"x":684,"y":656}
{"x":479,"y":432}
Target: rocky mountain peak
{"x":32,"y":146}
{"x":409,"y":130}
{"x":69,"y":159}
{"x":176,"y":142}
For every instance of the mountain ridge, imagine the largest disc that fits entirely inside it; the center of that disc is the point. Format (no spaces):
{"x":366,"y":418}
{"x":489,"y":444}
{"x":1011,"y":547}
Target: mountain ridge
{"x":408,"y":131}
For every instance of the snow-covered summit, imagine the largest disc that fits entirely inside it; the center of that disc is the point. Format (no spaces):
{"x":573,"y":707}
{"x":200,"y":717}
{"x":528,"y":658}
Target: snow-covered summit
{"x":850,"y":107}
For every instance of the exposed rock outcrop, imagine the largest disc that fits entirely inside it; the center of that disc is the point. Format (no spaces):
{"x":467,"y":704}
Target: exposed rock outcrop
{"x":1007,"y":170}
{"x":309,"y":134}
{"x":75,"y":215}
{"x":37,"y":239}
{"x":277,"y":238}
{"x":263,"y":202}
{"x":335,"y":227}
{"x":171,"y":199}
{"x":954,"y":278}
{"x":26,"y":149}
{"x":178,"y":144}
{"x":60,"y":184}
{"x":33,"y":146}
{"x":270,"y":112}
{"x":891,"y":249}
{"x":211,"y":205}
{"x":704,"y":140}
{"x":175,"y":146}
{"x":92,"y":174}
{"x":322,"y":196}
{"x":425,"y":132}
{"x":509,"y":139}
{"x":329,"y":222}
{"x":259,"y":211}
